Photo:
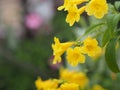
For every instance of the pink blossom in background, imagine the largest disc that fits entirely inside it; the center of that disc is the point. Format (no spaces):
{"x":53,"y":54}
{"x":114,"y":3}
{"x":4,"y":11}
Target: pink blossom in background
{"x":33,"y":21}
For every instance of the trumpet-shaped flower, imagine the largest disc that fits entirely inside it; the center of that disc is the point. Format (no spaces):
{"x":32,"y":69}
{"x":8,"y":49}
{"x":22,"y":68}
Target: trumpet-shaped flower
{"x":59,"y":49}
{"x":74,"y":14}
{"x":66,"y":75}
{"x":91,"y":47}
{"x":78,"y":2}
{"x":70,"y":3}
{"x":69,"y":86}
{"x":79,"y":78}
{"x":65,"y":6}
{"x":98,"y":54}
{"x":74,"y":56}
{"x":98,"y":8}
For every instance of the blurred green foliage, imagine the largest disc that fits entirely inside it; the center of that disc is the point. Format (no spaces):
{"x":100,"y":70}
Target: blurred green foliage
{"x":20,"y":67}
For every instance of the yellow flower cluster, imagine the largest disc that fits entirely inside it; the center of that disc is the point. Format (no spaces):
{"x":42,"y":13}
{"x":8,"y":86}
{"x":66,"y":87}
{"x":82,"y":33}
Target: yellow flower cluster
{"x":75,"y":53}
{"x":98,"y":8}
{"x":68,"y":80}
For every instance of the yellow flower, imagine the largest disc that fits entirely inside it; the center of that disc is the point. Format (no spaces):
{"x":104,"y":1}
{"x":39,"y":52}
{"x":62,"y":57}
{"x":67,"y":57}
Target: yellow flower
{"x":97,"y":87}
{"x":73,"y":11}
{"x":66,"y":75}
{"x":69,"y":86}
{"x":38,"y":83}
{"x":47,"y":84}
{"x":78,"y":2}
{"x":70,"y":3}
{"x":74,"y":14}
{"x":98,"y":8}
{"x":74,"y":56}
{"x":51,"y":89}
{"x":59,"y":49}
{"x":91,"y":47}
{"x":97,"y":55}
{"x":79,"y":78}
{"x":66,"y":5}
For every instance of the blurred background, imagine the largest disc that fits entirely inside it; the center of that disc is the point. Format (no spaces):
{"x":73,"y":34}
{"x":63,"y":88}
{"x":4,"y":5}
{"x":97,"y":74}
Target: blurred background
{"x":27,"y":29}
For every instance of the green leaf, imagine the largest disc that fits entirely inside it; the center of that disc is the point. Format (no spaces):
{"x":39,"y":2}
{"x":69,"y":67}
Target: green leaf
{"x":111,"y":7}
{"x":112,"y":21}
{"x":110,"y":55}
{"x":106,"y":37}
{"x":110,"y":25}
{"x":116,"y":19}
{"x":117,"y":5}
